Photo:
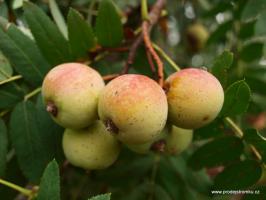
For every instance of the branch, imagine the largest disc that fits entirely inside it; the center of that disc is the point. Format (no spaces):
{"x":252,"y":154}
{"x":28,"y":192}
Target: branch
{"x":152,"y":66}
{"x":110,"y":77}
{"x":166,"y":57}
{"x":154,"y":16}
{"x":148,"y":43}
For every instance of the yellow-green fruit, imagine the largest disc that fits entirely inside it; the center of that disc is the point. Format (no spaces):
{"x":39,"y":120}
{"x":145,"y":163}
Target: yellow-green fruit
{"x":178,"y":140}
{"x":90,"y":148}
{"x":197,"y":36}
{"x":195,"y":98}
{"x":157,"y":145}
{"x":134,"y":108}
{"x":70,"y":92}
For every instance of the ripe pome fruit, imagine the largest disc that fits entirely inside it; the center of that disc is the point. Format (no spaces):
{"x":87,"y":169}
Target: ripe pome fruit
{"x":133,"y":107}
{"x":195,"y":98}
{"x":90,"y":148}
{"x":178,"y":140}
{"x":70,"y":92}
{"x":197,"y":36}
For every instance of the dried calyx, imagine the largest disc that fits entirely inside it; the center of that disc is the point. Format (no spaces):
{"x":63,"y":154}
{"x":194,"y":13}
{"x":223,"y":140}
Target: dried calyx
{"x":51,"y":108}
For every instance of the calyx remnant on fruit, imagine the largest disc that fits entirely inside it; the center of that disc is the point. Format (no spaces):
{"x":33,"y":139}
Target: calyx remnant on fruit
{"x":51,"y":108}
{"x":135,"y":106}
{"x":158,"y":146}
{"x":70,"y":92}
{"x":110,"y":126}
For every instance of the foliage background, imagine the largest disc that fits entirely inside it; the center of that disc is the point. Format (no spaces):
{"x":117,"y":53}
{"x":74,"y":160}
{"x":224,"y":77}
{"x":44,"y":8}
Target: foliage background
{"x":46,"y":33}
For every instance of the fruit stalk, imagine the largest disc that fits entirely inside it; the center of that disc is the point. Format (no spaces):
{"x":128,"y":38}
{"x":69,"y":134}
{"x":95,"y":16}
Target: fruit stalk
{"x":240,"y":134}
{"x":13,"y":78}
{"x":166,"y":57}
{"x":33,"y":93}
{"x":154,"y":16}
{"x":22,"y":190}
{"x":148,"y":44}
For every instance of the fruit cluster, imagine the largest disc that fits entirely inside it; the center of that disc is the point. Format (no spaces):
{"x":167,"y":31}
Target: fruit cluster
{"x":131,"y":109}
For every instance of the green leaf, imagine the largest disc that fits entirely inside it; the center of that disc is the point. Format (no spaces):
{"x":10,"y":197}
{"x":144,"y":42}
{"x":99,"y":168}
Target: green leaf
{"x":214,"y":129}
{"x":256,"y":79}
{"x":197,"y":180}
{"x":23,"y":54}
{"x":141,"y":64}
{"x":101,"y":197}
{"x":260,"y":29}
{"x":214,"y":153}
{"x":253,"y":9}
{"x":105,"y":67}
{"x":52,"y":139}
{"x":3,"y":23}
{"x":139,"y":192}
{"x":160,"y":193}
{"x":12,"y":174}
{"x":3,"y":9}
{"x":220,"y":32}
{"x":170,"y":178}
{"x":81,"y":37}
{"x":108,"y":29}
{"x":58,"y":17}
{"x":30,"y":140}
{"x":3,"y":147}
{"x":239,"y":175}
{"x":121,"y":170}
{"x":50,"y":40}
{"x":6,"y":70}
{"x":50,"y":183}
{"x":221,"y":64}
{"x":252,"y":52}
{"x":253,"y":137}
{"x":247,"y":29}
{"x":10,"y":95}
{"x":236,"y":100}
{"x":218,"y":8}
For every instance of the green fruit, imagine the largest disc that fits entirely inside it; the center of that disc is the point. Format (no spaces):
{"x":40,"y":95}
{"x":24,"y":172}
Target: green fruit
{"x":197,"y":36}
{"x":90,"y":148}
{"x":178,"y":140}
{"x":156,"y":145}
{"x":70,"y":92}
{"x":172,"y":140}
{"x":134,"y":108}
{"x":195,"y":98}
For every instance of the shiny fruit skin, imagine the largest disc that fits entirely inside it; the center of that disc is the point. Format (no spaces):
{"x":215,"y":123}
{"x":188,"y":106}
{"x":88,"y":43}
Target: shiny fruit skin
{"x":90,"y":148}
{"x":134,"y":108}
{"x":195,"y":98}
{"x":70,"y":92}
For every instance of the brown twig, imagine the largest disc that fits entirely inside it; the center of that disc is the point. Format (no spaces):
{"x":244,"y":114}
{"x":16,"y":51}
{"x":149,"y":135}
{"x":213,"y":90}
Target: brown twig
{"x":148,"y":43}
{"x":152,"y":66}
{"x":110,"y":77}
{"x":132,"y":54}
{"x":154,"y":16}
